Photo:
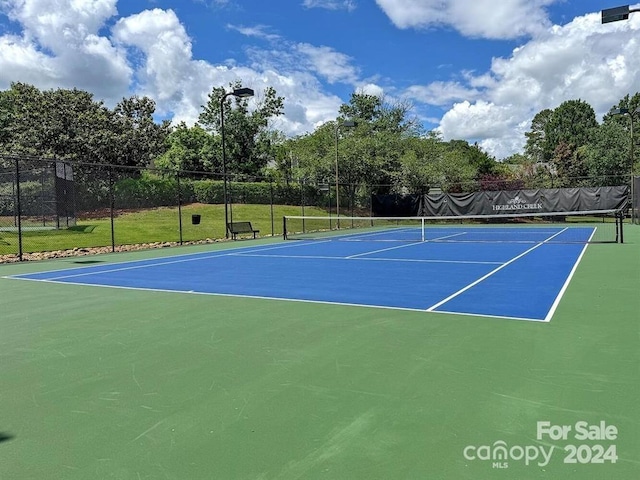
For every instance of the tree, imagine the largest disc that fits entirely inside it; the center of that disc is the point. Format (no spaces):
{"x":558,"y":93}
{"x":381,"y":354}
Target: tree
{"x":606,"y":156}
{"x":630,"y":104}
{"x":67,"y":124}
{"x":190,"y":149}
{"x":534,"y":148}
{"x":139,"y":140}
{"x":70,"y":124}
{"x":245,"y":131}
{"x":570,"y":124}
{"x":568,"y":129}
{"x":381,"y":115}
{"x":480,"y":160}
{"x":7,"y":104}
{"x":418,"y":171}
{"x":454,"y":173}
{"x":569,"y":164}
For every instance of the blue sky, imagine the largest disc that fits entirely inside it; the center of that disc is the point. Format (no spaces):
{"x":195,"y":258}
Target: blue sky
{"x":477,"y":70}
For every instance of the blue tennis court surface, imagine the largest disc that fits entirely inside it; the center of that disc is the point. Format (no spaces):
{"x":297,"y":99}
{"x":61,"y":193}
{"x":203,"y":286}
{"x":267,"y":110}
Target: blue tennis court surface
{"x":516,"y":280}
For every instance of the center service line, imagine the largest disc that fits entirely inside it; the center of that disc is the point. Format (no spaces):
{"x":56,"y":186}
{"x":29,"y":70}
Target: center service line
{"x":481,"y":279}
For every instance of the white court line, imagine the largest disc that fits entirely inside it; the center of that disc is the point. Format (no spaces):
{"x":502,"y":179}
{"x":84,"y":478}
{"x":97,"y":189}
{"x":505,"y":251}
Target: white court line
{"x":209,"y":254}
{"x":437,"y":239}
{"x":262,"y":297}
{"x":150,"y":264}
{"x":556,"y":302}
{"x":355,"y":257}
{"x":382,"y":231}
{"x":483,"y":278}
{"x":404,"y":245}
{"x":383,"y":250}
{"x":465,"y":262}
{"x":499,"y":317}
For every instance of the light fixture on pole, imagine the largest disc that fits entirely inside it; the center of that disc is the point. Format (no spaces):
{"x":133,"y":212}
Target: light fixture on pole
{"x":240,"y":93}
{"x":632,"y":115}
{"x":347,"y":124}
{"x":617,"y":14}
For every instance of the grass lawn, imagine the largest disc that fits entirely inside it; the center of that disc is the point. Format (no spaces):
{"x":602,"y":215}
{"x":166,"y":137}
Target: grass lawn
{"x":152,"y":225}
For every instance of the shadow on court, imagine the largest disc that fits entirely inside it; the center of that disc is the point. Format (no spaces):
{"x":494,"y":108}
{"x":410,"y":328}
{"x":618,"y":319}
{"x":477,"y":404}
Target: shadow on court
{"x":5,"y":437}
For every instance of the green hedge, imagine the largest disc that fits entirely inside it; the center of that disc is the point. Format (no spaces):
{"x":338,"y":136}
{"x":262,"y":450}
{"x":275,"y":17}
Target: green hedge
{"x":148,"y":192}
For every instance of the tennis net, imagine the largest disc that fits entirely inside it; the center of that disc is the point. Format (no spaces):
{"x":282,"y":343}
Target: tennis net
{"x":597,"y":226}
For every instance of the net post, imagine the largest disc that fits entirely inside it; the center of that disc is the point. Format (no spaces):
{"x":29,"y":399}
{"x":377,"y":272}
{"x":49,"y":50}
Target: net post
{"x":422,"y":236}
{"x":620,"y":217}
{"x":284,"y":227}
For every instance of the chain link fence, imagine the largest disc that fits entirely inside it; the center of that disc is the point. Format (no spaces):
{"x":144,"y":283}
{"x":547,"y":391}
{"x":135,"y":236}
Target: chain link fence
{"x":52,"y":208}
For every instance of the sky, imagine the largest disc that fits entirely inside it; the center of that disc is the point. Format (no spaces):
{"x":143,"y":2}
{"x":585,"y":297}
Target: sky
{"x":476,"y":70}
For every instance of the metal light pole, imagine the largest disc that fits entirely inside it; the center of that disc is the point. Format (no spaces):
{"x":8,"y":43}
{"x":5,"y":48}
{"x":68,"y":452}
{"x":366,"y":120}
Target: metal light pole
{"x":240,"y":93}
{"x":626,"y":111}
{"x":348,"y":124}
{"x":617,"y":14}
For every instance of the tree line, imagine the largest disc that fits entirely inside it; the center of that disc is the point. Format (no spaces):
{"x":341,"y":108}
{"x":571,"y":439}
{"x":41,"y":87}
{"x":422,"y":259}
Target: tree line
{"x":373,"y":146}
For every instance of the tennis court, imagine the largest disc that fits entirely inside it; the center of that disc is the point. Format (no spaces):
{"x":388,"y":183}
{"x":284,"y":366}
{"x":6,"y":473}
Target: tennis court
{"x":343,"y":357}
{"x":522,"y":277}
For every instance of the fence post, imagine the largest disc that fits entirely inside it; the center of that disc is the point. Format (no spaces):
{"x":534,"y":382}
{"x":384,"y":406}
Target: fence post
{"x":352,"y":200}
{"x":112,"y":201}
{"x":18,"y":209}
{"x":230,"y":201}
{"x":301,"y":184}
{"x":179,"y":205}
{"x":43,"y":198}
{"x":271,"y":203}
{"x":330,"y":226}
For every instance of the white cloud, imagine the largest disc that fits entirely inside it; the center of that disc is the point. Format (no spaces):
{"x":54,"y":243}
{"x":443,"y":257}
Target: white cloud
{"x":581,"y":60}
{"x":442,"y":93}
{"x":257,"y":31}
{"x":166,"y":49}
{"x":477,"y":18}
{"x":348,"y":5}
{"x":60,"y":47}
{"x":332,"y":65}
{"x":371,"y":89}
{"x":58,"y":25}
{"x":150,"y":53}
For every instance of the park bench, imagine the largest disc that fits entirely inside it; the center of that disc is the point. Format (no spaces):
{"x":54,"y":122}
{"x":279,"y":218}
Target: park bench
{"x":238,"y":228}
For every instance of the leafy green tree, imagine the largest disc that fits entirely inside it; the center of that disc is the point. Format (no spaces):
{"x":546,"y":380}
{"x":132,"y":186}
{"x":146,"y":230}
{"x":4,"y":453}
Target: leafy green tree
{"x":454,"y":173}
{"x":7,"y":104}
{"x":67,"y":124}
{"x":368,"y":153}
{"x":70,"y":124}
{"x":314,"y":154}
{"x":531,"y":173}
{"x":281,"y":165}
{"x":632,"y":105}
{"x":418,"y":165}
{"x":477,"y":158}
{"x":607,"y":155}
{"x":570,"y":124}
{"x":569,"y":163}
{"x":381,"y":115}
{"x":247,"y":152}
{"x":191,"y":149}
{"x":534,"y":148}
{"x":139,"y":139}
{"x":568,"y":130}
